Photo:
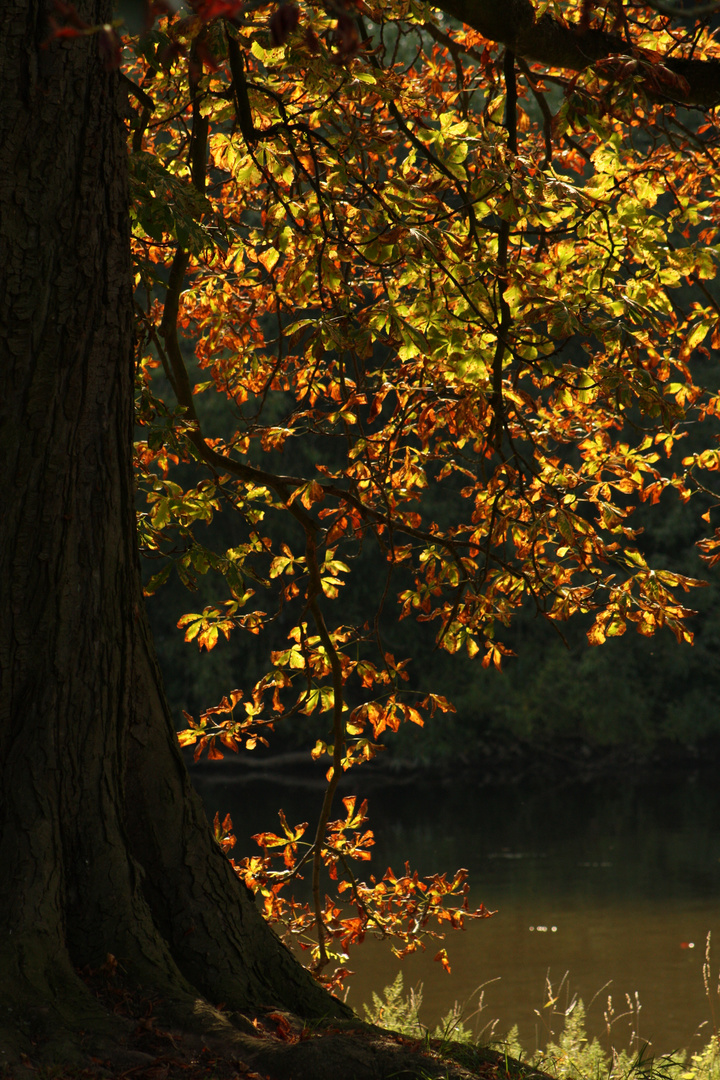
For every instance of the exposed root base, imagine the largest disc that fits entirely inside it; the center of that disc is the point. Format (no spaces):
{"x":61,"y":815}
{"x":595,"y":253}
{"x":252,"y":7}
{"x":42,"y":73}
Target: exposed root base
{"x":149,"y":1044}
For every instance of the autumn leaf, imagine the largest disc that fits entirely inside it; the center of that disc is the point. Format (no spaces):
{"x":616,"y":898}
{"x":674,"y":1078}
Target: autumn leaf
{"x":444,"y":357}
{"x":442,"y":957}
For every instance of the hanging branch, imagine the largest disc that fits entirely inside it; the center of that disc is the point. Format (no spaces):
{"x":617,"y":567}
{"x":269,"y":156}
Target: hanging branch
{"x":178,"y":375}
{"x":241,"y":100}
{"x":498,"y":404}
{"x":543,"y":106}
{"x":315,"y":589}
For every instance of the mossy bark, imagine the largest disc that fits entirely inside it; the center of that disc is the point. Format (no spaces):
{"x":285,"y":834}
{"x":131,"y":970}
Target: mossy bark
{"x":103,"y":845}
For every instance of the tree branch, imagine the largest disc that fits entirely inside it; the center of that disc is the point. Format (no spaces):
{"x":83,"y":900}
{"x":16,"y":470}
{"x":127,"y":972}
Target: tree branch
{"x":567,"y":45}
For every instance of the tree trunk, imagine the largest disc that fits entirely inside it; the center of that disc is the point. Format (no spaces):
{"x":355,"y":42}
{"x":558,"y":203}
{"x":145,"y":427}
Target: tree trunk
{"x":104,"y":847}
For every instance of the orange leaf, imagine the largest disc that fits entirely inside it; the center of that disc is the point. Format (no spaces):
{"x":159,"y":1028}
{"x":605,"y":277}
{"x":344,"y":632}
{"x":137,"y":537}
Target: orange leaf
{"x":442,"y":956}
{"x":214,"y":753}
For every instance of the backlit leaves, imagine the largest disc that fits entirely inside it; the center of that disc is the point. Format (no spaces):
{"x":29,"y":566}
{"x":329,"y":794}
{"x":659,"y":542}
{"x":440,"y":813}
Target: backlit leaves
{"x":374,"y":309}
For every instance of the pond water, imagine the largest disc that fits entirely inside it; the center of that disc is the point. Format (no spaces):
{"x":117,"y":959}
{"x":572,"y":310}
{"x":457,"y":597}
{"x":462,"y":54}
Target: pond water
{"x":603,"y":891}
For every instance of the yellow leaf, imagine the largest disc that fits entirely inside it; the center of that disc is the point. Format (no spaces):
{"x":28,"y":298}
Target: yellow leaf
{"x":208,"y":638}
{"x":269,"y":258}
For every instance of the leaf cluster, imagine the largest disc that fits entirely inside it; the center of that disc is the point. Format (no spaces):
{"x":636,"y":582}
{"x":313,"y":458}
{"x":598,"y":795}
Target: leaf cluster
{"x":383,"y":245}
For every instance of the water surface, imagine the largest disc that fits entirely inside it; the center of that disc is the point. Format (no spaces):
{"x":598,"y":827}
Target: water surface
{"x":615,"y":883}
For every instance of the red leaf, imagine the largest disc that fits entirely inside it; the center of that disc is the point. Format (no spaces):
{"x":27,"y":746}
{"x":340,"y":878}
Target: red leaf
{"x":283,"y":1028}
{"x":213,"y":9}
{"x":282,"y":23}
{"x":69,"y":13}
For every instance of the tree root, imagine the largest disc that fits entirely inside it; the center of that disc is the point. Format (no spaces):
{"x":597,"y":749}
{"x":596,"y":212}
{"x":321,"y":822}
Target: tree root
{"x":146,"y":1037}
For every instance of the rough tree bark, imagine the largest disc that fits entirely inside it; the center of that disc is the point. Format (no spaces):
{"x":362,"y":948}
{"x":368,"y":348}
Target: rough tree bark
{"x":104,"y":847}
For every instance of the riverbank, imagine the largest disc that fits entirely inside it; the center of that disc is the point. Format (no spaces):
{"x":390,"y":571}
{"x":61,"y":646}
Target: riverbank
{"x":624,"y":865}
{"x":570,"y":1053}
{"x":278,"y":1046}
{"x":491,"y":763}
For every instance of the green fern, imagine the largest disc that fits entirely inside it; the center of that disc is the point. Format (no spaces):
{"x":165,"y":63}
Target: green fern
{"x":451,"y":1027}
{"x":396,"y":1012}
{"x":573,"y":1057}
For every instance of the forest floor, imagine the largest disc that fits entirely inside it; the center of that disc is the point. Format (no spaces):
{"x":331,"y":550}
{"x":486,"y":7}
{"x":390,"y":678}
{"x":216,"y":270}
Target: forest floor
{"x":269,"y":1046}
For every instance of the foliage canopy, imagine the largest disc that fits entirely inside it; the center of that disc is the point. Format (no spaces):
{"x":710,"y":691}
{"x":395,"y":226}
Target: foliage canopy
{"x":471,"y":294}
